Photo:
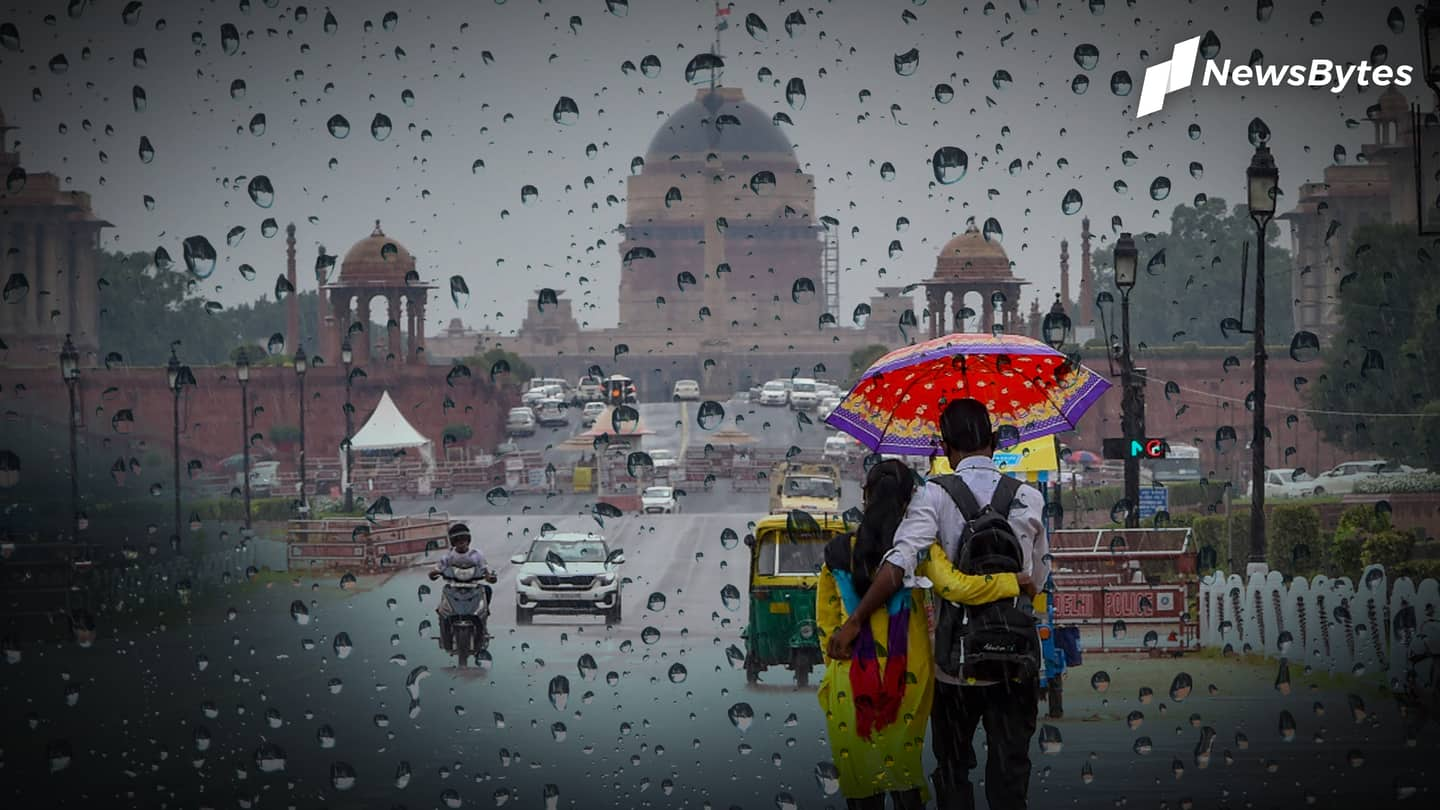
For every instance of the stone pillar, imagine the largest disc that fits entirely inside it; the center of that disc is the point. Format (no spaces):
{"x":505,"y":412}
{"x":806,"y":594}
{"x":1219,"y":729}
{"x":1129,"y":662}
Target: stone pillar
{"x":87,"y":277}
{"x":44,"y":279}
{"x":407,"y":345}
{"x":987,"y":314}
{"x":392,"y":333}
{"x":362,"y":348}
{"x":937,"y":310}
{"x":7,"y":266}
{"x":24,"y":311}
{"x":61,"y":271}
{"x":340,"y":317}
{"x":417,"y":339}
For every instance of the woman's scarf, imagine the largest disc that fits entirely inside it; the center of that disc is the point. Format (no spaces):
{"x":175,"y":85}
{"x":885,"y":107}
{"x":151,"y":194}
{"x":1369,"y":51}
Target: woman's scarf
{"x":877,"y":695}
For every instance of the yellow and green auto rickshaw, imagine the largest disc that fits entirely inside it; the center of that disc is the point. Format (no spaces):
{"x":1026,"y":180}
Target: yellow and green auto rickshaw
{"x":786,"y":553}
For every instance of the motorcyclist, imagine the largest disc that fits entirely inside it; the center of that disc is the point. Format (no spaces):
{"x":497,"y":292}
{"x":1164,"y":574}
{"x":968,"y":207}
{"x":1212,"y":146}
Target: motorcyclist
{"x":461,"y":554}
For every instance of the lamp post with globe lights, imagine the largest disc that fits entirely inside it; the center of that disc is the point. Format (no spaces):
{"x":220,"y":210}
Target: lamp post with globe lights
{"x":242,"y":374}
{"x":302,"y":364}
{"x":347,"y":359}
{"x":1132,"y":403}
{"x":70,"y":373}
{"x":1262,"y":181}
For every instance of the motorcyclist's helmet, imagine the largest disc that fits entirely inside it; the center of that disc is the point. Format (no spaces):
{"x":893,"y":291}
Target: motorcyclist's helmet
{"x":459,"y":533}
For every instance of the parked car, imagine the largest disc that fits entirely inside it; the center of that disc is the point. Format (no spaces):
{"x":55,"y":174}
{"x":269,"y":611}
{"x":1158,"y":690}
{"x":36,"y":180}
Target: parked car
{"x":520,"y":422}
{"x":1343,"y":478}
{"x":591,"y":412}
{"x":551,"y":413}
{"x":663,"y":459}
{"x":774,"y":393}
{"x":1288,"y":483}
{"x":568,"y":572}
{"x":803,"y":394}
{"x":659,"y":500}
{"x":264,"y":478}
{"x":507,"y":447}
{"x":686,"y":390}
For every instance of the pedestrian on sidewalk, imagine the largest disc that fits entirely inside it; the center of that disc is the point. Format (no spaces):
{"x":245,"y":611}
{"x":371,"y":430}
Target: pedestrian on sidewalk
{"x":878,"y":701}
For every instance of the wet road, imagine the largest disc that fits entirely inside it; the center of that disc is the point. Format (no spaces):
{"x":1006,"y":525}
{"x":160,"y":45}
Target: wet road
{"x":250,"y":700}
{"x":626,"y":730}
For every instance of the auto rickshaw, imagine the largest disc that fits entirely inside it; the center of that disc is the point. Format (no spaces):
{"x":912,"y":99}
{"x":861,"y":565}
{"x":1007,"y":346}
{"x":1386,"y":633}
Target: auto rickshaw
{"x":786,"y":554}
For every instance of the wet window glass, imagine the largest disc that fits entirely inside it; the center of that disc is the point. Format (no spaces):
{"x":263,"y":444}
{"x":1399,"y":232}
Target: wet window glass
{"x":692,"y":316}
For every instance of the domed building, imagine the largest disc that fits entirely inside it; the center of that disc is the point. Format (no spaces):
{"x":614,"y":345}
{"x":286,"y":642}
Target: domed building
{"x":721,"y":234}
{"x":973,"y":279}
{"x":376,"y":267}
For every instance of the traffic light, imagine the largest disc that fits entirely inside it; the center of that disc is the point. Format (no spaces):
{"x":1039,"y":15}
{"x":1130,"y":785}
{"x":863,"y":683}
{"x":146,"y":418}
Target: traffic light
{"x":1122,"y":449}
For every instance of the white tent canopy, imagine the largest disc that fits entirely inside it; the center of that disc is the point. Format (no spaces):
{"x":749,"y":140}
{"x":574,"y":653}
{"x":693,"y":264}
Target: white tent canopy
{"x":387,"y":429}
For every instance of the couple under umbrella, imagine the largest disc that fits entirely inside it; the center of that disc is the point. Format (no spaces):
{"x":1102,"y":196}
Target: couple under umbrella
{"x":874,"y":599}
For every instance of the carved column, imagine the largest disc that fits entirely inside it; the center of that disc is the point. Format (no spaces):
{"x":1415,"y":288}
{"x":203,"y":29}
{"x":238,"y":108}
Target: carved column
{"x":987,"y":314}
{"x":24,"y":310}
{"x":7,"y":266}
{"x":936,"y":303}
{"x":43,"y":280}
{"x":392,"y":326}
{"x":362,"y":348}
{"x":417,"y":339}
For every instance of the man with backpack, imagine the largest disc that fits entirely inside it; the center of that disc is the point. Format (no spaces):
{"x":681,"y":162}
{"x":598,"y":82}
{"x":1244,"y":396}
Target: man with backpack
{"x":987,"y":657}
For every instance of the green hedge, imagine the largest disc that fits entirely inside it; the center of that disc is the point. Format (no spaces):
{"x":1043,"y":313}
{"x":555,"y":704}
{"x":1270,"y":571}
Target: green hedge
{"x":1183,"y":495}
{"x":1399,"y":484}
{"x":1292,"y":543}
{"x":1214,"y":548}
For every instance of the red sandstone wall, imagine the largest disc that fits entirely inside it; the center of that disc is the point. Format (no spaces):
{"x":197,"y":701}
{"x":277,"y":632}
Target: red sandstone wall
{"x":210,"y":412}
{"x":1207,"y":411}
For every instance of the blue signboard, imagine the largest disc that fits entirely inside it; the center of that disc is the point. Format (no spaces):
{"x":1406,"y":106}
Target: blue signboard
{"x":1152,"y":500}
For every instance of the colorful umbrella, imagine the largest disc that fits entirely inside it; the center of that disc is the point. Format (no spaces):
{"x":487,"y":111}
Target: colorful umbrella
{"x":1023,"y":382}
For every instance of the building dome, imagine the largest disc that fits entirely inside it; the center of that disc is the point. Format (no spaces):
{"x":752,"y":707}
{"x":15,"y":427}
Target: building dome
{"x":376,"y":260}
{"x":972,"y":255}
{"x":718,"y":120}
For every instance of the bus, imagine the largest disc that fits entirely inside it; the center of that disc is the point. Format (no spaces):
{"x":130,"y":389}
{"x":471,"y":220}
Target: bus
{"x":1181,"y":463}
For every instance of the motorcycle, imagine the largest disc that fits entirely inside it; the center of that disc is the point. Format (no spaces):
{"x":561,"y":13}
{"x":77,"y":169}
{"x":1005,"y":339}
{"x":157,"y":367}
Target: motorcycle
{"x":467,"y":595}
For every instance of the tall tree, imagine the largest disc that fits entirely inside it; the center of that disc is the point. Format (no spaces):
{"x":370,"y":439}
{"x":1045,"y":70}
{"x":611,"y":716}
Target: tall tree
{"x":1385,"y":356}
{"x":144,"y":308}
{"x":1189,"y":279}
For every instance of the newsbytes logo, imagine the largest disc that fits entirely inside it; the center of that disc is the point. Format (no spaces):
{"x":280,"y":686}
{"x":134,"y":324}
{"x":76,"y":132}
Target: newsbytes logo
{"x":1178,"y":73}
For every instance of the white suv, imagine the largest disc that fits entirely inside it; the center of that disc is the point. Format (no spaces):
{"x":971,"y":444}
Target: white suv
{"x":568,"y":572}
{"x":804,"y":395}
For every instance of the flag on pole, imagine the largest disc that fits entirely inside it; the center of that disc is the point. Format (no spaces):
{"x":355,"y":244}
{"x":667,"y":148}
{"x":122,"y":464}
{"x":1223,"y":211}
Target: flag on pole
{"x":722,"y":17}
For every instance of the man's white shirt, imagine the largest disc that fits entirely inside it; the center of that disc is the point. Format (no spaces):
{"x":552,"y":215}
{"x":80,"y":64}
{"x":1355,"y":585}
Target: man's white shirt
{"x":933,"y":516}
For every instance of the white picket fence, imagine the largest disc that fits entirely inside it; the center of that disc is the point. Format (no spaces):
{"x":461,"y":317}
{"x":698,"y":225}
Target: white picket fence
{"x":1331,"y":624}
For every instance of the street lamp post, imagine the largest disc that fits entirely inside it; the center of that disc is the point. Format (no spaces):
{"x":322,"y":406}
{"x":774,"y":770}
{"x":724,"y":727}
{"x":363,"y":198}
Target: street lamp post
{"x":172,"y":376}
{"x":1262,"y":181}
{"x":70,"y":372}
{"x":242,"y":373}
{"x":1131,"y":406}
{"x":347,"y":357}
{"x":301,"y":366}
{"x":1055,"y":330}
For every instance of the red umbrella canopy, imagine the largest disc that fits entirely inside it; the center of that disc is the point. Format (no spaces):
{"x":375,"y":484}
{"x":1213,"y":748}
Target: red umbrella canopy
{"x":1024,"y":383}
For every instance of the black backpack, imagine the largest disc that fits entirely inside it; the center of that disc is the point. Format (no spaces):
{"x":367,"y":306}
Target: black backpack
{"x":997,"y":641}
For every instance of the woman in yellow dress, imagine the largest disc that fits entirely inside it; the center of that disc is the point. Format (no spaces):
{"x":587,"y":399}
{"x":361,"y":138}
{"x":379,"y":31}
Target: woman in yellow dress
{"x":877,"y":704}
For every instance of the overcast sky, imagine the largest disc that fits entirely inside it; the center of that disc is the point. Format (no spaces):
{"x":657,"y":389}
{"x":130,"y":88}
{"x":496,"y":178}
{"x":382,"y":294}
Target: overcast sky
{"x":81,"y":123}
